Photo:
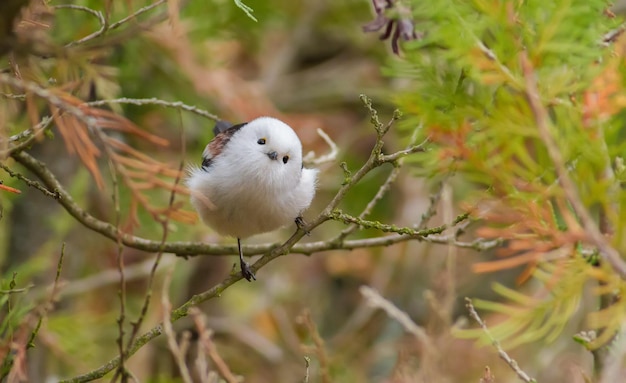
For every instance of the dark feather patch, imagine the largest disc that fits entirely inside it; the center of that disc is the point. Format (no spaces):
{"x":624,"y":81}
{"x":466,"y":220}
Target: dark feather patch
{"x":224,"y":126}
{"x":221,"y":126}
{"x":215,"y":147}
{"x":206,"y":163}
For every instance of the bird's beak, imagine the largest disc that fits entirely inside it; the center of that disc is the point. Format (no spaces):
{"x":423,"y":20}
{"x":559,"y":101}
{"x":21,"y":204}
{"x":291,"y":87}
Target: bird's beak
{"x":272,"y":155}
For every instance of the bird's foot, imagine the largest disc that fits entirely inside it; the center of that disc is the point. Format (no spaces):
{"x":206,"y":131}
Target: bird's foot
{"x":302,"y":225}
{"x":246,"y":272}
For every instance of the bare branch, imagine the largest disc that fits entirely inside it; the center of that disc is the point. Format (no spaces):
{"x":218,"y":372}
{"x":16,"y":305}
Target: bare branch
{"x":177,"y":351}
{"x":97,"y":14}
{"x":104,"y":25}
{"x":55,"y":100}
{"x":331,"y":156}
{"x":209,"y":347}
{"x":29,"y":182}
{"x":156,"y":101}
{"x":319,"y":347}
{"x":376,"y":300}
{"x":382,"y":190}
{"x":136,"y":14}
{"x":503,"y":355}
{"x":403,"y":153}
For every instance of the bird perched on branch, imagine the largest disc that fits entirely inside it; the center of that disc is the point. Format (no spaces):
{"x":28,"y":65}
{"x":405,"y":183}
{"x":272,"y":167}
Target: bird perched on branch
{"x":251,"y":181}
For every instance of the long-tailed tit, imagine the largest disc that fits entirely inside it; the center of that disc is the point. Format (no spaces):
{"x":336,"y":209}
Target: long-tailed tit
{"x":251,"y":181}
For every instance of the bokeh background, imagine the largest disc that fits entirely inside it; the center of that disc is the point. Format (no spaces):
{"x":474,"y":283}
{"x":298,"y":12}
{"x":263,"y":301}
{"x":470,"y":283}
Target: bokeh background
{"x":306,"y":63}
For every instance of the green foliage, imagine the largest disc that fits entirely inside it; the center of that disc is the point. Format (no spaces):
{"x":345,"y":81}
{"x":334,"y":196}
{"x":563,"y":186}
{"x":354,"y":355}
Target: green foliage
{"x":541,"y":317}
{"x":469,"y":88}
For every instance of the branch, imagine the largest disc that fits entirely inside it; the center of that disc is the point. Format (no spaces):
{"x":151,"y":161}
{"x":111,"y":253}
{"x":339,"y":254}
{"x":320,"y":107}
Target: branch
{"x":51,"y":97}
{"x":156,"y":101}
{"x":374,"y":299}
{"x":178,"y":351}
{"x":197,"y":248}
{"x":96,"y":14}
{"x":338,"y":215}
{"x":318,"y":347}
{"x":208,"y":346}
{"x":382,"y":190}
{"x":104,"y":25}
{"x":29,"y":182}
{"x":136,"y":13}
{"x":501,"y":353}
{"x":28,"y":135}
{"x":310,"y":158}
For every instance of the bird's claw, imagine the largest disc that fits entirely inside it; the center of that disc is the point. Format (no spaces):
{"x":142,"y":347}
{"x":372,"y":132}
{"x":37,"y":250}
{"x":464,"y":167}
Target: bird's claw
{"x":302,"y":225}
{"x":246,"y":272}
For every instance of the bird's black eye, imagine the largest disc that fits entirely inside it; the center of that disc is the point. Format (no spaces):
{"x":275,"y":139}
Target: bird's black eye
{"x":285,"y":159}
{"x":261,"y":141}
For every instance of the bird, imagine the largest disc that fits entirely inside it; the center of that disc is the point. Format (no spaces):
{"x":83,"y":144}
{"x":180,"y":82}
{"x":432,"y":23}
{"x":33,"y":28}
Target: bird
{"x":251,"y":180}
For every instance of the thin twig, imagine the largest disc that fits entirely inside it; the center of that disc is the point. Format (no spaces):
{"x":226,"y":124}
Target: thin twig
{"x":382,"y":190}
{"x":331,"y":156}
{"x":97,"y":14}
{"x":23,"y":338}
{"x":403,"y":153}
{"x":16,"y":291}
{"x":103,"y":278}
{"x":177,"y":352}
{"x":156,"y":101}
{"x":430,"y":212}
{"x":28,"y":135}
{"x":319,"y":347}
{"x":307,"y":363}
{"x":136,"y":14}
{"x":121,"y":370}
{"x":29,"y":182}
{"x":247,"y":10}
{"x":612,"y":36}
{"x":209,"y":347}
{"x":374,"y":299}
{"x":491,"y":55}
{"x":503,"y":355}
{"x":104,"y":25}
{"x":52,"y":98}
{"x":11,"y":96}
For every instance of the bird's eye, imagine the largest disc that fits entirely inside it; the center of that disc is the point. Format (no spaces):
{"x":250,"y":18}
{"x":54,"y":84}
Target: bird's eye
{"x":261,"y":141}
{"x":285,"y":159}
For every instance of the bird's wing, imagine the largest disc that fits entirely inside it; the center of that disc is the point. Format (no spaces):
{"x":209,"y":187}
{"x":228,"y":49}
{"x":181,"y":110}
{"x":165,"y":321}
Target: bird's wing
{"x":223,"y":130}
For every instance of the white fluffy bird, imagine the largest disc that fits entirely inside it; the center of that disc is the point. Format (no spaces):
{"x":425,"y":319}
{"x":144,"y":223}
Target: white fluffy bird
{"x":252,"y":180}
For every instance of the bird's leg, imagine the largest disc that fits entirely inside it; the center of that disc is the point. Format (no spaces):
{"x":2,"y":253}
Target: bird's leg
{"x":245,"y":267}
{"x":302,"y":225}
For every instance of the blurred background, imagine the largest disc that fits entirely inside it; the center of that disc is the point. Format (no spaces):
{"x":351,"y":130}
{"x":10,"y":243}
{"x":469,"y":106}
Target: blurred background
{"x":306,"y":63}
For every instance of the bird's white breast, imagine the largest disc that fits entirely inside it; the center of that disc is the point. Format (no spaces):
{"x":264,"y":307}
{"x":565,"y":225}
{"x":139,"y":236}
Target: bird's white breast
{"x":249,"y":202}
